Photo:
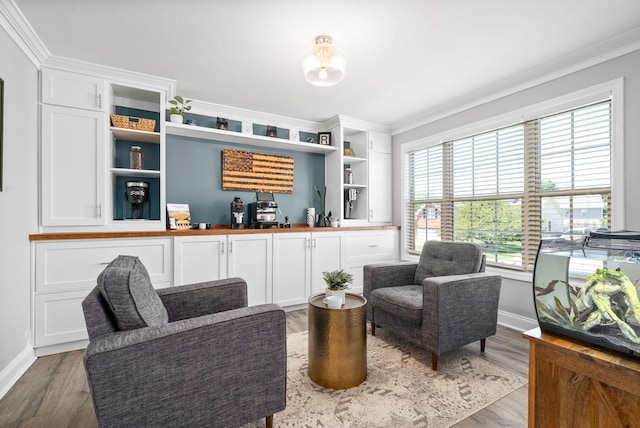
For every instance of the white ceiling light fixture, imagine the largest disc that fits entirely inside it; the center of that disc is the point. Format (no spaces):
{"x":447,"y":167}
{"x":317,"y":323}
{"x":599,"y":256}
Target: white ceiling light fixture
{"x":325,"y":63}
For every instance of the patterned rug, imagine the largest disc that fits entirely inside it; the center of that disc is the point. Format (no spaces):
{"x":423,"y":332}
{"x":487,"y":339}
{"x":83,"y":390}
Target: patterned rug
{"x":401,"y":390}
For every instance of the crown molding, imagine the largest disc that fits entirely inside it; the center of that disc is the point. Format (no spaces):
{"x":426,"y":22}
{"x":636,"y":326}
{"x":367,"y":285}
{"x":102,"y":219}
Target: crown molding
{"x":112,"y":74}
{"x":19,"y":29}
{"x":580,"y":60}
{"x":363,"y":125}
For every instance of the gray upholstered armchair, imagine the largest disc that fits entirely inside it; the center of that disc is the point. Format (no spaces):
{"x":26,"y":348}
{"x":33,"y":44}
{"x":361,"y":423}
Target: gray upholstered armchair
{"x":443,"y":302}
{"x":187,"y":356}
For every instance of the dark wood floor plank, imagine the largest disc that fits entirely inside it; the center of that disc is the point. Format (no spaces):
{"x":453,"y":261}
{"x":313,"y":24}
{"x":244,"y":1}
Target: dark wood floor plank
{"x":54,"y":391}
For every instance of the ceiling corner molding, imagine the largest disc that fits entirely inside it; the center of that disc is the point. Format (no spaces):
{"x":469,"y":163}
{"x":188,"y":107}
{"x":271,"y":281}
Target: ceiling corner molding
{"x":19,"y":29}
{"x":596,"y":54}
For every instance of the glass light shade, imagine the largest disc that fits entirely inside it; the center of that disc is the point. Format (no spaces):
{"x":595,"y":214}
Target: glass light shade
{"x":325,"y":64}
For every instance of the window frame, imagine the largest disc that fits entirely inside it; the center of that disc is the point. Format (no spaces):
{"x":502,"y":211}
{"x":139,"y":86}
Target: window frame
{"x":612,"y":90}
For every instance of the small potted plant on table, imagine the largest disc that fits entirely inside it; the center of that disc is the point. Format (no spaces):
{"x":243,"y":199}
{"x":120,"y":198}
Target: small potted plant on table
{"x":337,"y":282}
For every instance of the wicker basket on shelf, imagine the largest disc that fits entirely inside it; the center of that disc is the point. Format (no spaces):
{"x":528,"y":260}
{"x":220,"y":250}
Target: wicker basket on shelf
{"x":129,"y":122}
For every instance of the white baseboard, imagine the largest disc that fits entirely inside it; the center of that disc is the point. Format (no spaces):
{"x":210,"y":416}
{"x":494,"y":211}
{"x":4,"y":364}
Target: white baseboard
{"x":61,"y":347}
{"x":10,"y":375}
{"x":516,"y":322}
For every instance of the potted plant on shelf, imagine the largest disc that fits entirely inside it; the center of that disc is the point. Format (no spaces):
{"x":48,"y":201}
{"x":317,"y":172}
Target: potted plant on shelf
{"x":337,"y":282}
{"x":323,"y":218}
{"x":180,"y":105}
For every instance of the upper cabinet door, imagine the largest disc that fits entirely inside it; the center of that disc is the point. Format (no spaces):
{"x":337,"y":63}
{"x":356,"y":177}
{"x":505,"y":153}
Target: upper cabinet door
{"x":379,"y":142}
{"x":68,"y":89}
{"x":73,"y":167}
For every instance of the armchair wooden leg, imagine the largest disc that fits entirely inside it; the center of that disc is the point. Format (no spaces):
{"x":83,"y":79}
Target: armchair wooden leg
{"x":373,"y":329}
{"x":483,"y":342}
{"x":269,"y":421}
{"x":434,"y":361}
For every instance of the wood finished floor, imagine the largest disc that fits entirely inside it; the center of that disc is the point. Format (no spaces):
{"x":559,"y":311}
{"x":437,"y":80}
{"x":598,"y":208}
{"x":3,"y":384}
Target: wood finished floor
{"x":53,"y":392}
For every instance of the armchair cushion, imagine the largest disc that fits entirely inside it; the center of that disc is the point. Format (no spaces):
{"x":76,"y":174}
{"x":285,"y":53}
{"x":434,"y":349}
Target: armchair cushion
{"x":442,"y":258}
{"x":126,"y":287}
{"x":405,"y":302}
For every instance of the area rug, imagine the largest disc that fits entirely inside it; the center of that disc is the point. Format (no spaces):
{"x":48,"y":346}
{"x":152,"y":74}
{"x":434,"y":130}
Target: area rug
{"x":401,"y":390}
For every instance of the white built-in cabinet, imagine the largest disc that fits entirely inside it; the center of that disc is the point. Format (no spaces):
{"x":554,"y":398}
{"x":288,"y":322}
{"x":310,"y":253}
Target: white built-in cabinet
{"x":365,"y":151}
{"x":212,"y":257}
{"x":84,"y":167}
{"x":284,"y":268}
{"x":298,"y":262}
{"x":368,"y":247}
{"x":85,"y":160}
{"x":66,"y":271}
{"x":379,"y":177}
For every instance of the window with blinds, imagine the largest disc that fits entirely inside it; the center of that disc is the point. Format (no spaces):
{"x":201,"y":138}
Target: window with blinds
{"x":508,"y":188}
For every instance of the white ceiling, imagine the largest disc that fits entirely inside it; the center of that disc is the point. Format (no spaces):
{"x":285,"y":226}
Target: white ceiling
{"x":406,"y":59}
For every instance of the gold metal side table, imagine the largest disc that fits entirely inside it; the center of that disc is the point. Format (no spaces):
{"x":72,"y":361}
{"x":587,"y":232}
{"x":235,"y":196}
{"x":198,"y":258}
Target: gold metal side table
{"x":338,"y":342}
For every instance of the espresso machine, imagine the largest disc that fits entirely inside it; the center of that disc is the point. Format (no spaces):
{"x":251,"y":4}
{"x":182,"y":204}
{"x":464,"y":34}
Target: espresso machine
{"x":263,"y":211}
{"x":237,"y":214}
{"x":136,"y":201}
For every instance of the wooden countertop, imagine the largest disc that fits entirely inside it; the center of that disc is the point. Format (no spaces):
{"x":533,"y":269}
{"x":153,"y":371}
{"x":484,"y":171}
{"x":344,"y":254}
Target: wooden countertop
{"x":215,"y":230}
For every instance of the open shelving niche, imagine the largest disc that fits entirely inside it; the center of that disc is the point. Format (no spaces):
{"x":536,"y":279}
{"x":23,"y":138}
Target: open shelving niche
{"x":213,"y":134}
{"x":245,"y":127}
{"x":149,"y":104}
{"x":356,"y":140}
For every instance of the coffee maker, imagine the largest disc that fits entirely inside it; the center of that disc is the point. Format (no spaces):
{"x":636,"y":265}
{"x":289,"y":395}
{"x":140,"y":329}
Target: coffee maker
{"x":237,"y":214}
{"x":136,"y":201}
{"x":263,"y":211}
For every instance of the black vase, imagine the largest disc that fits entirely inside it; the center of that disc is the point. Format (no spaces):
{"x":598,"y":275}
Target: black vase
{"x":322,"y":221}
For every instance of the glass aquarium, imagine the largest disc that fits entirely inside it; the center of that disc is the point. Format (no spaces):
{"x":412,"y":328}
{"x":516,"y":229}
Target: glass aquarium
{"x":587,"y":288}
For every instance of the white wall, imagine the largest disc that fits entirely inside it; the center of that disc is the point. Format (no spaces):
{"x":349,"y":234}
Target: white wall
{"x":516,"y":299}
{"x":18,"y":207}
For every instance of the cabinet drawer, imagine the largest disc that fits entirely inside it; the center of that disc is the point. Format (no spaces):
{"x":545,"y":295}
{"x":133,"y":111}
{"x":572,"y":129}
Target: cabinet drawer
{"x":371,"y":246}
{"x":75,"y":265}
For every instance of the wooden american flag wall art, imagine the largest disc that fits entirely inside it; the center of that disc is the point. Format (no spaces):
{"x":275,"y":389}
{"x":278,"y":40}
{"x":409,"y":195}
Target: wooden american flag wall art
{"x":256,"y":172}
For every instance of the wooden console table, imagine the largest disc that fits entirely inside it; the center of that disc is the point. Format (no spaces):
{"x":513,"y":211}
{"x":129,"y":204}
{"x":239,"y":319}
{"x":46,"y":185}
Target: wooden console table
{"x":573,"y":385}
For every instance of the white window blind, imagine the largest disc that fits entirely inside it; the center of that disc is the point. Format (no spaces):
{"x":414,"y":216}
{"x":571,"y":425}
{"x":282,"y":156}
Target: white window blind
{"x":507,"y":188}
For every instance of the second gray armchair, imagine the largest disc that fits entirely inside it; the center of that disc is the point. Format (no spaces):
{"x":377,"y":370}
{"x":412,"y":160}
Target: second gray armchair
{"x":441,"y":303}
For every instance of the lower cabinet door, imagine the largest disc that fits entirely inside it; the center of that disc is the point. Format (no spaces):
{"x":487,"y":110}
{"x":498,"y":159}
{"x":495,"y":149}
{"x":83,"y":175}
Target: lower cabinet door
{"x":199,"y":259}
{"x":328,"y":254}
{"x":291,"y":268}
{"x":59,"y":318}
{"x":250,"y":257}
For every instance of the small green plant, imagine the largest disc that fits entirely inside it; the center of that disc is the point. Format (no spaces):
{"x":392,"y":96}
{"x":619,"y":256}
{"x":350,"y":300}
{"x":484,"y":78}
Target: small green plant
{"x":180,"y":105}
{"x":337,"y":279}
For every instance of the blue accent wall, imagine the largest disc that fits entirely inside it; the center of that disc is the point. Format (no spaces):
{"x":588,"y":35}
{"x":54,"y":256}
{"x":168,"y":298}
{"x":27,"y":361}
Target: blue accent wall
{"x":194,"y":177}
